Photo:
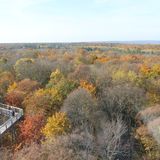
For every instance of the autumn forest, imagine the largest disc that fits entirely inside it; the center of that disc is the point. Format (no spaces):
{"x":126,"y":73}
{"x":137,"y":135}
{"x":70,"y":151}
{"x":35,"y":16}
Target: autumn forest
{"x":81,"y":101}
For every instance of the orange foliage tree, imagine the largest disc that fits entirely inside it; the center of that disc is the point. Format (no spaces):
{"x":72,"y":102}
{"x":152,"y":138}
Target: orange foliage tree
{"x":15,"y":98}
{"x":30,"y":129}
{"x":131,"y":58}
{"x":88,"y":86}
{"x":102,"y":59}
{"x":25,"y":85}
{"x":150,"y":71}
{"x":18,"y":91}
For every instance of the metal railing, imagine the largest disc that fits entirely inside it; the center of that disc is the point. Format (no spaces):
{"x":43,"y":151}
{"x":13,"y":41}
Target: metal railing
{"x":8,"y":110}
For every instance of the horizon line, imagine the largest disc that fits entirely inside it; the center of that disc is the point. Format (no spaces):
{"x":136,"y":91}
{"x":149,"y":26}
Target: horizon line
{"x":70,"y":42}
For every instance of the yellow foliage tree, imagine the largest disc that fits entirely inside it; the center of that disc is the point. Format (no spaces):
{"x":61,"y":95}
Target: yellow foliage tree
{"x":6,"y":79}
{"x":12,"y":87}
{"x":56,"y":125}
{"x":55,"y":78}
{"x":153,"y":98}
{"x":56,"y":75}
{"x":132,"y":76}
{"x":156,"y":70}
{"x":121,"y":75}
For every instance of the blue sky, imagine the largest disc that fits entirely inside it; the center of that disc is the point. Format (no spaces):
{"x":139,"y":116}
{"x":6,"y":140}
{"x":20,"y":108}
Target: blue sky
{"x":79,"y":20}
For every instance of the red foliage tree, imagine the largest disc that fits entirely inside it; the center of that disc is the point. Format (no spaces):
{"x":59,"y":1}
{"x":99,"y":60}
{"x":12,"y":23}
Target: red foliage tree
{"x":14,"y":98}
{"x":30,"y":129}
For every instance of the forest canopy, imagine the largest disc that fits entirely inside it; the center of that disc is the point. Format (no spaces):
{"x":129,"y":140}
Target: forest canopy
{"x":81,"y":101}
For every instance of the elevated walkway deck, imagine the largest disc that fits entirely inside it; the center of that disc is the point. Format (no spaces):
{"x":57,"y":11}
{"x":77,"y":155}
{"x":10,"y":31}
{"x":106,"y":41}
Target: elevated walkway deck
{"x":13,"y":118}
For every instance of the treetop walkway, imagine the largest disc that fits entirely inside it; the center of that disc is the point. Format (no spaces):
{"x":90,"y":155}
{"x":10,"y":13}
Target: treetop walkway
{"x":13,"y":113}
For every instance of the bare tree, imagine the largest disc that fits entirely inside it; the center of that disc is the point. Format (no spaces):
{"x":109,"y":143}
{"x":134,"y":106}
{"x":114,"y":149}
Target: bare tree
{"x":80,"y":107}
{"x":110,"y":137}
{"x":124,"y":100}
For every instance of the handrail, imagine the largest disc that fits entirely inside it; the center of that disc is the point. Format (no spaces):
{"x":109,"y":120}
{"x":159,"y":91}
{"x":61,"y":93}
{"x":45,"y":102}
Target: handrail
{"x":12,"y":119}
{"x":8,"y":106}
{"x":5,"y":111}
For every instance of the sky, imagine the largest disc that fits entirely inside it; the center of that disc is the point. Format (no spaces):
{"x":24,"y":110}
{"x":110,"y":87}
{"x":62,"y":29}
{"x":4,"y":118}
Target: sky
{"x":79,"y":20}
